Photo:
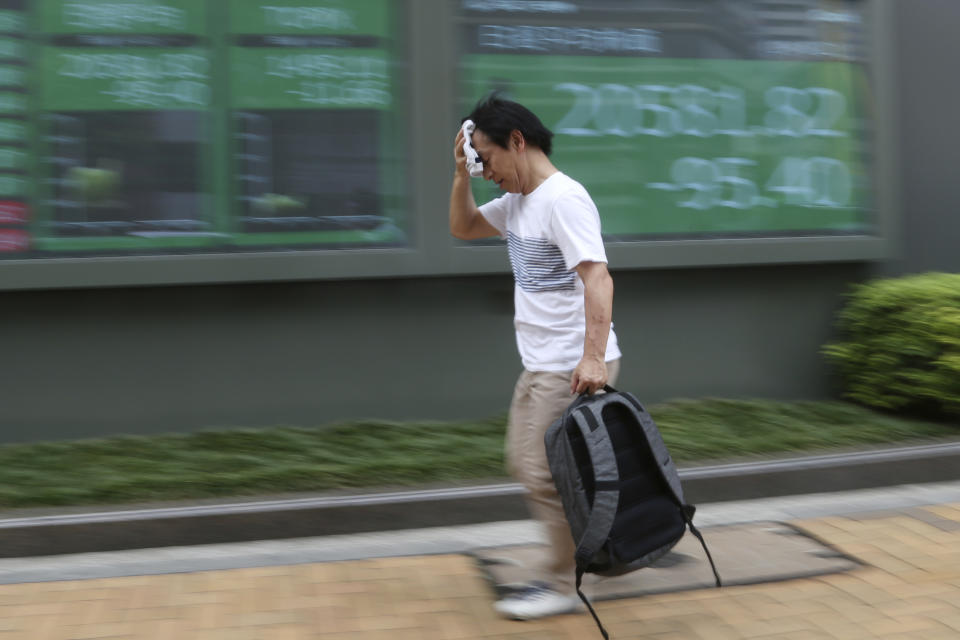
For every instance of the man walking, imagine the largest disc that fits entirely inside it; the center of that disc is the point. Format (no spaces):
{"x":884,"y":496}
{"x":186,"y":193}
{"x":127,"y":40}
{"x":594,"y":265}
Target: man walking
{"x":563,"y":299}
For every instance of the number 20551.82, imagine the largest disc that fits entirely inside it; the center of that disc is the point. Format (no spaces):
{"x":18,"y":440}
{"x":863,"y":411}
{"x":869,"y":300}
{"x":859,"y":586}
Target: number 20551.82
{"x":687,"y":109}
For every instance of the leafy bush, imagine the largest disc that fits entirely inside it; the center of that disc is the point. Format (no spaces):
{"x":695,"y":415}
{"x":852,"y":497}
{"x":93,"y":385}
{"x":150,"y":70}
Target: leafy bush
{"x":900,"y":344}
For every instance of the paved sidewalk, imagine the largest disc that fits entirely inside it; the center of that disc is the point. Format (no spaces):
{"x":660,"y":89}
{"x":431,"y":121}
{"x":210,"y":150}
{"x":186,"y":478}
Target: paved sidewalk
{"x":909,"y":587}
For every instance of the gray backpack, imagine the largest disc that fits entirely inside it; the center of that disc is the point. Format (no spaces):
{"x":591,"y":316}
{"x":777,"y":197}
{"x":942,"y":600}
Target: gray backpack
{"x":619,"y":487}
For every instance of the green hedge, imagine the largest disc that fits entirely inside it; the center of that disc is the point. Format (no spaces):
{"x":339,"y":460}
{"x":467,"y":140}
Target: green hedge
{"x":900,"y":344}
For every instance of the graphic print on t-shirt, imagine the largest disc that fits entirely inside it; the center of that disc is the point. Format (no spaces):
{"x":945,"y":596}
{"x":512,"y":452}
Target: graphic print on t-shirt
{"x":538,"y":265}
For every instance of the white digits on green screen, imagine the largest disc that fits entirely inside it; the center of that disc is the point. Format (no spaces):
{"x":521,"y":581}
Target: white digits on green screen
{"x":715,"y":183}
{"x":743,"y":192}
{"x":700,"y":176}
{"x":687,"y":109}
{"x":732,"y":107}
{"x":150,"y":93}
{"x":10,"y":48}
{"x":577,"y":120}
{"x":651,"y":109}
{"x":831,"y":107}
{"x":11,"y":76}
{"x":663,"y":121}
{"x":812,"y":182}
{"x":615,"y":110}
{"x":11,"y":158}
{"x":365,"y":93}
{"x":719,"y":182}
{"x":12,"y":131}
{"x":788,"y":111}
{"x":11,"y":21}
{"x":792,"y":180}
{"x":12,"y":103}
{"x":801,"y":112}
{"x":324,"y":66}
{"x":184,"y":65}
{"x":354,"y":93}
{"x":695,"y":104}
{"x":189,"y":92}
{"x":11,"y":186}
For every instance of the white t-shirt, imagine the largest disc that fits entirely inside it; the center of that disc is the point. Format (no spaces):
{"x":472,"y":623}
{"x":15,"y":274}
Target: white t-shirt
{"x":549,"y":232}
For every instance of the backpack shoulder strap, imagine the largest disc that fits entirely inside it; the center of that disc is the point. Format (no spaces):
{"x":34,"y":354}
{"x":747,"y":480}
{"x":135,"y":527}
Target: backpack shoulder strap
{"x":688,"y":510}
{"x":603,"y":459}
{"x":579,"y":583}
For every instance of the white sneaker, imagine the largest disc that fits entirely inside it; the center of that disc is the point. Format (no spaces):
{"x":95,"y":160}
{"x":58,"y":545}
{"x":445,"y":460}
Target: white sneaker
{"x":536,"y":601}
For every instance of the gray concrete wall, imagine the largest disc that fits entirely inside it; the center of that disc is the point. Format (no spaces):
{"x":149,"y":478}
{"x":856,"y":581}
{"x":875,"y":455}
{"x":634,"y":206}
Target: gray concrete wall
{"x":104,"y":361}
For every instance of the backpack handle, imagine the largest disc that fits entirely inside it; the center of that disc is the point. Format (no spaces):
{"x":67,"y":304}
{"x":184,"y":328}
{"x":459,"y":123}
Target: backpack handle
{"x":584,"y":397}
{"x":606,"y":388}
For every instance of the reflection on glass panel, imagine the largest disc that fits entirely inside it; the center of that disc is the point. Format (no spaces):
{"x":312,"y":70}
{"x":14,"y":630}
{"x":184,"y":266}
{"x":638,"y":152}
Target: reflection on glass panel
{"x":126,"y":173}
{"x":317,"y":124}
{"x":310,"y":171}
{"x":123,"y":132}
{"x":177,"y":125}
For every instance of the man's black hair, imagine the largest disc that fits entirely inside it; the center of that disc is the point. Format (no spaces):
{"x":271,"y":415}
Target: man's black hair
{"x":498,"y":117}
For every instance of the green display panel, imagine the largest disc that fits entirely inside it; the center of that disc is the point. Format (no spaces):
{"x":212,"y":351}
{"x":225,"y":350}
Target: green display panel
{"x":123,"y":103}
{"x":158,"y":126}
{"x":316,"y":124}
{"x":14,"y":131}
{"x":681,"y":129}
{"x":215,"y":132}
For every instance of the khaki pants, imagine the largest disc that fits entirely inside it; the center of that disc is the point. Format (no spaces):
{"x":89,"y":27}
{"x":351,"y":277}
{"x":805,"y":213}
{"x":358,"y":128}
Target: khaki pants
{"x":539,"y":398}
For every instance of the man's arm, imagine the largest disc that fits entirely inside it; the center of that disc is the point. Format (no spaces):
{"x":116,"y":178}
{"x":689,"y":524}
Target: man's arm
{"x":591,"y":373}
{"x":466,"y":221}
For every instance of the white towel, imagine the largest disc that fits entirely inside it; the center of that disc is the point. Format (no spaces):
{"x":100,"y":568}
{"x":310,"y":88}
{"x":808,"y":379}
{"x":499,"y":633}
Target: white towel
{"x":474,"y":166}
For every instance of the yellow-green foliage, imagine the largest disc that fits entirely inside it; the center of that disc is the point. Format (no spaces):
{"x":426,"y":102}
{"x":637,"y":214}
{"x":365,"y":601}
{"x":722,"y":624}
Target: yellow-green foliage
{"x":900,"y":347}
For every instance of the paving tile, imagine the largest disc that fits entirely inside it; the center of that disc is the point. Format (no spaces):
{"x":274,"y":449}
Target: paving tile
{"x":950,"y":512}
{"x":909,"y":587}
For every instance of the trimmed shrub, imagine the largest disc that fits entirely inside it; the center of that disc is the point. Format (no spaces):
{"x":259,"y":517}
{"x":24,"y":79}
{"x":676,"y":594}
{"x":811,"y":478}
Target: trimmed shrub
{"x":900,"y":344}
